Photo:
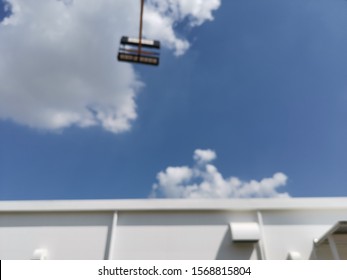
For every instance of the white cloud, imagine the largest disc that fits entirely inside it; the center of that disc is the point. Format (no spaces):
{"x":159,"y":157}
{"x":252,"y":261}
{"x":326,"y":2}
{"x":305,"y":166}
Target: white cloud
{"x":203,"y":180}
{"x":58,"y":63}
{"x":172,"y":178}
{"x":162,"y":15}
{"x":198,"y":11}
{"x":204,"y":156}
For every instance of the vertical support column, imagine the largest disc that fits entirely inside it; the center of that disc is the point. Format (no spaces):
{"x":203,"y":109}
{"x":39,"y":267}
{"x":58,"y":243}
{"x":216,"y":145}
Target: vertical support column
{"x":261,"y":242}
{"x":314,"y":250}
{"x":113,"y":236}
{"x":333,"y":247}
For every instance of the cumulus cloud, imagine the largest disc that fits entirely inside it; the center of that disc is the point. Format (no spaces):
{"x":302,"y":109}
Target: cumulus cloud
{"x":161,"y":17}
{"x":203,"y":180}
{"x":58,"y":63}
{"x":204,"y":156}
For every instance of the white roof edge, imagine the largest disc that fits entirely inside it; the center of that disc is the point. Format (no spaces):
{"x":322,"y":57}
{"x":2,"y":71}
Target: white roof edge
{"x":330,"y":232}
{"x":174,"y":204}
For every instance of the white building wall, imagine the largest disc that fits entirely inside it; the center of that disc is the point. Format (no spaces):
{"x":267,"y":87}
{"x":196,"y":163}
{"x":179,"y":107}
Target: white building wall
{"x":166,"y":229}
{"x":180,"y":235}
{"x":294,"y":230}
{"x":64,"y":235}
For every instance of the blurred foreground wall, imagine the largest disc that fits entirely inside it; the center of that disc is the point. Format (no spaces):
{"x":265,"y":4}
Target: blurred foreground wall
{"x":277,"y":229}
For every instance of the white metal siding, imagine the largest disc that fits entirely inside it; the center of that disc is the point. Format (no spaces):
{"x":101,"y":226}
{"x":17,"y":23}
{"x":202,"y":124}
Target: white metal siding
{"x":168,"y":229}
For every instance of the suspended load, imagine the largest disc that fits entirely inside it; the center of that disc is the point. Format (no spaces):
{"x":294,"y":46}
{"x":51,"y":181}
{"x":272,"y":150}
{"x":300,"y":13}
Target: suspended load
{"x":139,"y":50}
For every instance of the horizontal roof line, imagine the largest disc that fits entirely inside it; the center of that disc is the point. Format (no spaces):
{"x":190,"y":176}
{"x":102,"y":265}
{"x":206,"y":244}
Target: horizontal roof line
{"x":174,"y":204}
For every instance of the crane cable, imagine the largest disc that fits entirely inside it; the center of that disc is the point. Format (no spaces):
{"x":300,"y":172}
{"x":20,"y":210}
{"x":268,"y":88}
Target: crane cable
{"x":140,"y":31}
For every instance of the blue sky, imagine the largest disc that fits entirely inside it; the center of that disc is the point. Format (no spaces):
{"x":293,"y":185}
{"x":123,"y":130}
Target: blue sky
{"x":263,"y":86}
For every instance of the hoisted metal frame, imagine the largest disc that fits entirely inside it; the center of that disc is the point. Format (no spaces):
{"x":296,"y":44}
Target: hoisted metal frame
{"x":138,"y":55}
